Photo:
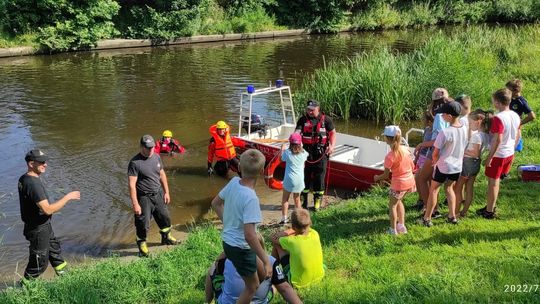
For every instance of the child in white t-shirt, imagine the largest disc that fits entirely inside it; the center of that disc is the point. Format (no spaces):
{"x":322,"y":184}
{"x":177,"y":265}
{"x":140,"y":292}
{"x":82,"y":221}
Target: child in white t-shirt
{"x":237,"y":205}
{"x":478,"y":142}
{"x":505,"y":134}
{"x":447,"y":157}
{"x":466,"y":103}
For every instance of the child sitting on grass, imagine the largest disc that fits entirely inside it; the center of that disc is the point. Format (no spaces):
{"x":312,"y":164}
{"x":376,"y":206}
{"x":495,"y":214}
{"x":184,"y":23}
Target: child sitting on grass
{"x":293,"y":181}
{"x":421,"y":152}
{"x":224,"y":284}
{"x":399,"y":162}
{"x":505,"y":135}
{"x":237,"y":205}
{"x":299,"y":251}
{"x":447,"y":157}
{"x":479,"y":122}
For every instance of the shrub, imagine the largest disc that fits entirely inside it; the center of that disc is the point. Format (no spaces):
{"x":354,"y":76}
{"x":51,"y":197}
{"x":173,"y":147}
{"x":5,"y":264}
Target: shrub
{"x":62,"y":25}
{"x":317,"y":15}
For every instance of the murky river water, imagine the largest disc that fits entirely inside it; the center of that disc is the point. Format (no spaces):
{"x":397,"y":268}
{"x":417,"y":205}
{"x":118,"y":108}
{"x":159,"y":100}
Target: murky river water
{"x":88,"y":111}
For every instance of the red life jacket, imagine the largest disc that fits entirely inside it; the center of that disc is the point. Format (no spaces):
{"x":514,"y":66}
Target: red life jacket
{"x":168,"y":146}
{"x":224,"y":148}
{"x":314,"y":134}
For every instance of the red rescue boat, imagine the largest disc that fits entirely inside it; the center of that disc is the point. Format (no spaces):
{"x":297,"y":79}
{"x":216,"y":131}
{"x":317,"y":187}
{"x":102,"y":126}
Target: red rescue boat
{"x":352,"y":166}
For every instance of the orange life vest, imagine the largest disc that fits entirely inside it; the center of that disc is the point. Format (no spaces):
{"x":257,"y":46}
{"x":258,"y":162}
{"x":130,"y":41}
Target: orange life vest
{"x":224,"y":148}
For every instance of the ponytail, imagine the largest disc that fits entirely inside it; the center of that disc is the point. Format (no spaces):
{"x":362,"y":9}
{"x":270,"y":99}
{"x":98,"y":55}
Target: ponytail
{"x":486,"y":123}
{"x":395,"y":146}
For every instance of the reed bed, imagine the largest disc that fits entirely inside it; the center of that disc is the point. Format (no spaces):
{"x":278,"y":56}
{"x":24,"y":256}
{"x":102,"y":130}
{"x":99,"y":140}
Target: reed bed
{"x":389,"y":86}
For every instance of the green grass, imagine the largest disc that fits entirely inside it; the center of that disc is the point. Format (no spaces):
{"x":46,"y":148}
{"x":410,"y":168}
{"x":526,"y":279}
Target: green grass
{"x":386,"y":85}
{"x":473,"y":261}
{"x":22,"y":40}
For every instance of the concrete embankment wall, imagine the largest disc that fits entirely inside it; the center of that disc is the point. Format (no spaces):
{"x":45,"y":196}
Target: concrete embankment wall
{"x":135,"y":43}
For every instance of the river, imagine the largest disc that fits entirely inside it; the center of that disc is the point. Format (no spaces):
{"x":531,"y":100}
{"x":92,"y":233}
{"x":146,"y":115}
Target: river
{"x":88,"y":110}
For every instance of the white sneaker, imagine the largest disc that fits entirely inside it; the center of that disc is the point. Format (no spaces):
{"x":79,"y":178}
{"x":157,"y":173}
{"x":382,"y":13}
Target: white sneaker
{"x":401,"y":228}
{"x":391,"y":231}
{"x":284,"y":220}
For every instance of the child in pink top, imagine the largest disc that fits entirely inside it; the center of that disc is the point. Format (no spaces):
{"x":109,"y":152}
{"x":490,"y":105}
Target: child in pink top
{"x":398,"y":161}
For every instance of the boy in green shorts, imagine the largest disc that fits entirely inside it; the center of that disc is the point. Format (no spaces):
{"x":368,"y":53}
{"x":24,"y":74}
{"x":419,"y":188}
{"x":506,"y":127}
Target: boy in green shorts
{"x":237,"y":205}
{"x":299,"y":250}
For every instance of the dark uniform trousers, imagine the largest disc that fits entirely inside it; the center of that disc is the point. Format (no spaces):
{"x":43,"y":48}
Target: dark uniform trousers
{"x":152,"y":205}
{"x":222,"y":166}
{"x":44,"y":248}
{"x":314,"y":175}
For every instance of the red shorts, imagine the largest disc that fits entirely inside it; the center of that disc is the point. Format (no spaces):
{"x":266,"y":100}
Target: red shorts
{"x":499,"y":166}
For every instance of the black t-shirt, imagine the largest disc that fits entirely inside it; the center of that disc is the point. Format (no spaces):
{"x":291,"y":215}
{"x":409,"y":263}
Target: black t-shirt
{"x":31,"y":192}
{"x":147,"y":171}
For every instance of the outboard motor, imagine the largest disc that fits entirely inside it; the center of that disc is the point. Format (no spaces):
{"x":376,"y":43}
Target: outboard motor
{"x":257,"y":125}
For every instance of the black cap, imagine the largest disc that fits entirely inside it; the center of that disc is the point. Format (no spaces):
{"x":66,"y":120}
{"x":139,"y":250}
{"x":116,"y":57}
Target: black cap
{"x":453,"y":108}
{"x":36,"y":155}
{"x":312,"y":103}
{"x":147,"y":141}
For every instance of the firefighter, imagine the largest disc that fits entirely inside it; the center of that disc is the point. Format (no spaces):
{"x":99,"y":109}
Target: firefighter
{"x":36,"y":213}
{"x":318,"y":139}
{"x":222,"y":149}
{"x":149,"y":193}
{"x":168,"y":145}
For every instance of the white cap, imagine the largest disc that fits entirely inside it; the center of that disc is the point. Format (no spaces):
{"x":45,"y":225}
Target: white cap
{"x":391,"y":131}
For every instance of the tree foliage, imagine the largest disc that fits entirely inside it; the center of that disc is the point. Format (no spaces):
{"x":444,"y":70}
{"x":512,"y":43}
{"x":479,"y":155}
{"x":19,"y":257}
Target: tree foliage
{"x":74,"y":24}
{"x":61,"y":25}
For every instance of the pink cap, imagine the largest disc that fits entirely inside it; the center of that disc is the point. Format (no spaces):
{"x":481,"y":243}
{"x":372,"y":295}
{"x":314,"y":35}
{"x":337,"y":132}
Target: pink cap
{"x":295,"y":138}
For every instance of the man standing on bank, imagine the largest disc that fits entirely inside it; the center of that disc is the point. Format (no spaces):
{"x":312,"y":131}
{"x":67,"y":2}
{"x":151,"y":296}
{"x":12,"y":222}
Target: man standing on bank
{"x":146,"y":178}
{"x":318,"y":139}
{"x":36,"y":212}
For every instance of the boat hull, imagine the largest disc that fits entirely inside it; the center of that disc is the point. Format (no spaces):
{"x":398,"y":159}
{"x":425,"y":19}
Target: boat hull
{"x":342,"y":175}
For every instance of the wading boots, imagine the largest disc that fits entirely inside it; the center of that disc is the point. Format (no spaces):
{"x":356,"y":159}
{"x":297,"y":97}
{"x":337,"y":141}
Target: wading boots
{"x":166,"y":237}
{"x":60,"y":269}
{"x":143,"y":248}
{"x":304,"y":198}
{"x":317,"y":201}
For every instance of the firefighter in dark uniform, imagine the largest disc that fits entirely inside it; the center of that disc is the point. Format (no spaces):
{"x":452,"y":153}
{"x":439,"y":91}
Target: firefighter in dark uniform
{"x":149,"y":192}
{"x":319,"y":139}
{"x":36,"y":212}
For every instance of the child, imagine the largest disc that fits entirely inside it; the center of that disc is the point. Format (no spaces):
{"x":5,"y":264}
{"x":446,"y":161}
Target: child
{"x":237,"y":205}
{"x":225,"y":284}
{"x":299,"y":250}
{"x":447,"y":156}
{"x":478,"y":140}
{"x":399,"y":162}
{"x":439,"y":98}
{"x":505,"y":135}
{"x":466,"y":103}
{"x":294,"y":157}
{"x":421,"y":152}
{"x":520,"y":106}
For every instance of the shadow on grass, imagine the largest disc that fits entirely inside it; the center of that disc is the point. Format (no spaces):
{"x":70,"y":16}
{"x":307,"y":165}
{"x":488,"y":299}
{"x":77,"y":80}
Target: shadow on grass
{"x":452,"y":237}
{"x":349,"y":222}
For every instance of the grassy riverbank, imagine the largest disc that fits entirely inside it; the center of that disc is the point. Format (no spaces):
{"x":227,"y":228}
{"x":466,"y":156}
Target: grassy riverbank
{"x":476,"y":261}
{"x":389,"y":86}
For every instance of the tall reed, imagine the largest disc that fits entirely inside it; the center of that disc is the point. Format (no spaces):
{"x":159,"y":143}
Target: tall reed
{"x":387,"y":86}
